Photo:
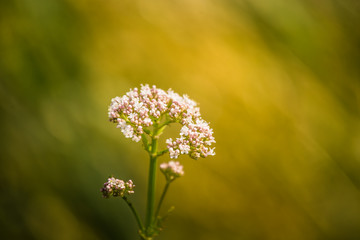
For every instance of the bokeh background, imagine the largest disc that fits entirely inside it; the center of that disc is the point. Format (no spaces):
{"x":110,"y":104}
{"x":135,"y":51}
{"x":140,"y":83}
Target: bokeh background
{"x":278,"y":80}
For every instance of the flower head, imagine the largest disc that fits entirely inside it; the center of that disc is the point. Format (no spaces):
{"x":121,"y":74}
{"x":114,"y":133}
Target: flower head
{"x":139,"y":109}
{"x":195,"y":139}
{"x":117,"y":188}
{"x":172,"y":170}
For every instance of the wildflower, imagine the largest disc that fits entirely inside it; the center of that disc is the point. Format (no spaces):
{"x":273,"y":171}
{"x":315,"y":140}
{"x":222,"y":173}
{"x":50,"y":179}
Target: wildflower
{"x":172,"y":170}
{"x":117,"y":188}
{"x":139,"y":109}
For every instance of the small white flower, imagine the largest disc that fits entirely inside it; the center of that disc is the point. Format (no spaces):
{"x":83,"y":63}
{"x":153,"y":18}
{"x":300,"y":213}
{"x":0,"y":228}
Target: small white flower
{"x":136,"y":138}
{"x":184,"y":131}
{"x":132,"y":116}
{"x":128,"y":131}
{"x":168,"y":141}
{"x":137,"y":105}
{"x":174,"y":153}
{"x":184,"y":149}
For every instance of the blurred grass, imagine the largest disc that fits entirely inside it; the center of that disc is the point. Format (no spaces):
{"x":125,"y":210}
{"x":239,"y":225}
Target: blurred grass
{"x":278,"y":80}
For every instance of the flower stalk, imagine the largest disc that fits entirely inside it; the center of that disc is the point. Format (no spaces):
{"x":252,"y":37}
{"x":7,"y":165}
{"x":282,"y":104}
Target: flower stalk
{"x":143,"y":115}
{"x":151,"y":186}
{"x":133,"y":210}
{"x":162,"y":197}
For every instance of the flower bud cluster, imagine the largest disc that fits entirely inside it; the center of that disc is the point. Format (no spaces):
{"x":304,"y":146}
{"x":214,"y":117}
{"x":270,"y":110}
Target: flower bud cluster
{"x":195,"y":140}
{"x":139,"y":109}
{"x":117,"y":188}
{"x":172,"y":170}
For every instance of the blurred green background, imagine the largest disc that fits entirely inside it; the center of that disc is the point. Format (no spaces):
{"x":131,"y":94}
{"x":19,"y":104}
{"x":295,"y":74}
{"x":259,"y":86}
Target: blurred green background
{"x":278,"y":80}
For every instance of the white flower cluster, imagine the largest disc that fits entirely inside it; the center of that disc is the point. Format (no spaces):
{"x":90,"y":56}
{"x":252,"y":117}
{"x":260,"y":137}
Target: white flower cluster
{"x":139,"y":109}
{"x":172,"y":170}
{"x":195,"y":140}
{"x":117,"y":188}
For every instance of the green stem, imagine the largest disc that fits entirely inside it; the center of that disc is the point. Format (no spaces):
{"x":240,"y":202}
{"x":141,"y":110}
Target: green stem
{"x":162,"y":197}
{"x":147,"y":131}
{"x":145,"y":142}
{"x":138,"y":220}
{"x":162,"y":152}
{"x":150,"y":207}
{"x":162,"y":126}
{"x":151,"y":182}
{"x":151,"y":192}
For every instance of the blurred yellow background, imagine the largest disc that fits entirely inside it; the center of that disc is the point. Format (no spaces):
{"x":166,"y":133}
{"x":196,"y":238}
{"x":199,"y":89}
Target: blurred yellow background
{"x":279,"y":82}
